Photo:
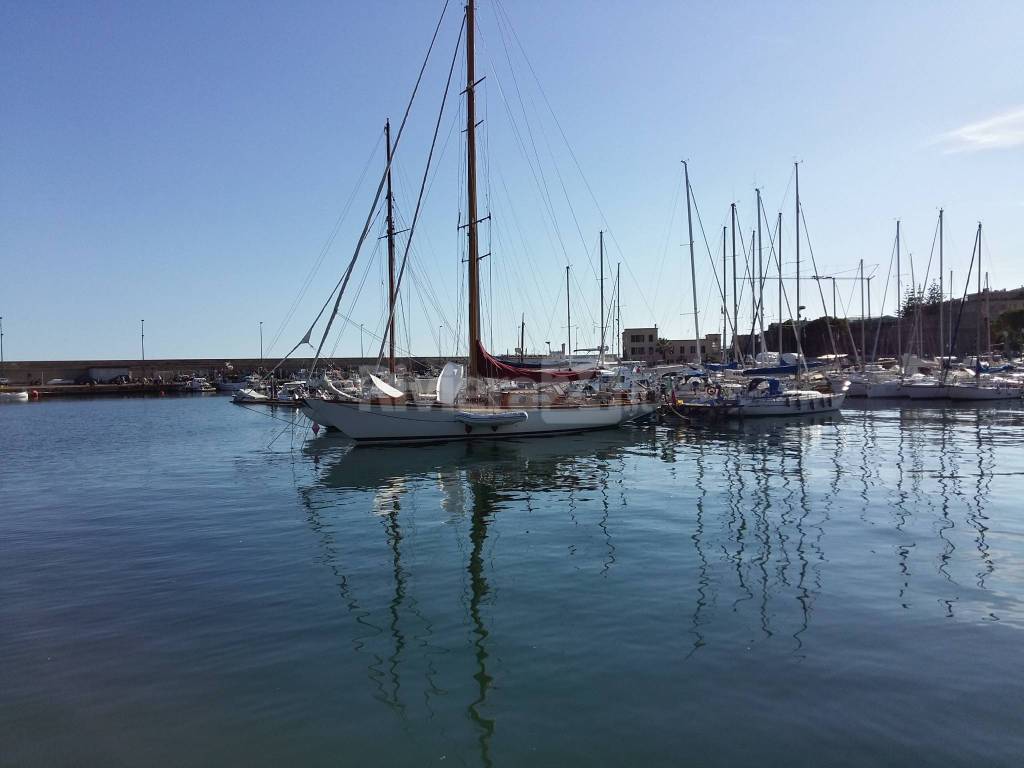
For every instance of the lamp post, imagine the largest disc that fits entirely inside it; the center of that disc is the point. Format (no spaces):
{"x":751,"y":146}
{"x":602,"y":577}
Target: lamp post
{"x":360,"y":342}
{"x":142,"y":337}
{"x":261,"y":343}
{"x":440,"y":330}
{"x":549,"y":347}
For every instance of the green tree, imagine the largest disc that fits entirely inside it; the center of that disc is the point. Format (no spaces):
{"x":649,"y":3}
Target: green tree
{"x":1009,"y":327}
{"x":662,"y":347}
{"x":934,"y":295}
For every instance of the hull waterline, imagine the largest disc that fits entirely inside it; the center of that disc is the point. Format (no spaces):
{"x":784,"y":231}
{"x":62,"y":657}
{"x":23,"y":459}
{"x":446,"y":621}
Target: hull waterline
{"x":372,"y":424}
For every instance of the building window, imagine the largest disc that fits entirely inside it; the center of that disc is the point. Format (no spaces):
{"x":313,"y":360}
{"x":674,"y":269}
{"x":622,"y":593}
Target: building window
{"x":703,"y":349}
{"x":650,"y":337}
{"x":636,"y":337}
{"x":693,"y":349}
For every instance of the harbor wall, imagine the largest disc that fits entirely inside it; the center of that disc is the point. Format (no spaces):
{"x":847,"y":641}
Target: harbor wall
{"x":39,"y":372}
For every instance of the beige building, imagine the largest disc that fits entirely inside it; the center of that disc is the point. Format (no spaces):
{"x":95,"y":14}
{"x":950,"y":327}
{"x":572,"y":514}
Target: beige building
{"x":642,"y":344}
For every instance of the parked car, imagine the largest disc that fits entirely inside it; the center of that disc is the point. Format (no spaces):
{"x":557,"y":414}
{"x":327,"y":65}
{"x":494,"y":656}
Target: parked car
{"x":60,"y":381}
{"x":85,"y":379}
{"x":4,"y":380}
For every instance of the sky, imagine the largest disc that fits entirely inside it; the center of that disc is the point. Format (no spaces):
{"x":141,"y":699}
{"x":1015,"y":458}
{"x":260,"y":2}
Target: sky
{"x":208,"y":166}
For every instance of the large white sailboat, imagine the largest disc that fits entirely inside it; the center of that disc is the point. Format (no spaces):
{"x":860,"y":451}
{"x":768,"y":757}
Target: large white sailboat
{"x":470,"y":409}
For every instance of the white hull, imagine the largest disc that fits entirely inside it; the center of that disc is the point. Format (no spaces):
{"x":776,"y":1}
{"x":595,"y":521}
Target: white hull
{"x":13,"y":397}
{"x":852,"y":386}
{"x":973,"y":393}
{"x":795,"y":404}
{"x":404,"y":423}
{"x":884,"y":389}
{"x":926,"y":391}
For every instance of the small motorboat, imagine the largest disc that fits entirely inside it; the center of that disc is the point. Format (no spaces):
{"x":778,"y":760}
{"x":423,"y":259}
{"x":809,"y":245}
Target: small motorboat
{"x":13,"y":397}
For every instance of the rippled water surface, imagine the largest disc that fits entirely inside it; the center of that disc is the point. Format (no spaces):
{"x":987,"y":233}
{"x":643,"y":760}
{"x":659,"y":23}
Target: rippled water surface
{"x":184,"y":582}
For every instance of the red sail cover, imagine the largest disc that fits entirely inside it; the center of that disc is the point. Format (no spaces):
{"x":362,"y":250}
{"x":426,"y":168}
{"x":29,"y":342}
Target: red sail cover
{"x":491,"y":368}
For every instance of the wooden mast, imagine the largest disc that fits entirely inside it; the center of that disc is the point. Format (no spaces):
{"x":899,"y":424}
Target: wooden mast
{"x":391,"y":255}
{"x":473,"y":254}
{"x":693,"y":268}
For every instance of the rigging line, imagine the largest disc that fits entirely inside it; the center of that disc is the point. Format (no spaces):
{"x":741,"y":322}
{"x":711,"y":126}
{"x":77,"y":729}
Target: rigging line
{"x":885,"y":293}
{"x":426,"y":173}
{"x":536,"y":171}
{"x":342,"y":284}
{"x":668,"y":236}
{"x":714,"y":270}
{"x":327,"y":245}
{"x":355,"y":298}
{"x":821,"y":291}
{"x":919,"y":294}
{"x":572,"y":154}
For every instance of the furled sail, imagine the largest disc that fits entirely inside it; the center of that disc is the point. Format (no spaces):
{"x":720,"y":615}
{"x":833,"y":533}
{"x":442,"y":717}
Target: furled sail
{"x":490,"y":367}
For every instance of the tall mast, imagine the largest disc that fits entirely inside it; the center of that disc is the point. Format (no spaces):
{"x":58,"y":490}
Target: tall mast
{"x":988,"y":318}
{"x":942,"y":297}
{"x":760,"y":274}
{"x":863,"y":320}
{"x":522,"y":338}
{"x":725,"y":302}
{"x":796,"y":170}
{"x":778,"y":253}
{"x":568,"y":317}
{"x":735,"y":292}
{"x":753,"y":297}
{"x":473,"y":255}
{"x":391,"y":255}
{"x":899,"y":299}
{"x":600,"y":352}
{"x":693,"y":268}
{"x":977,"y":331}
{"x":618,"y":308}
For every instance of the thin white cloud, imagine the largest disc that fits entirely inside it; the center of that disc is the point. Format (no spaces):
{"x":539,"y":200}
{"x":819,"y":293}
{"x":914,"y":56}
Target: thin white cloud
{"x":1001,"y":131}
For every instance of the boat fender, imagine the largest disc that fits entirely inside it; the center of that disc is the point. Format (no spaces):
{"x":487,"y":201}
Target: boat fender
{"x":787,"y":402}
{"x":469,"y":428}
{"x":35,"y":394}
{"x":798,"y":406}
{"x":830,"y":402}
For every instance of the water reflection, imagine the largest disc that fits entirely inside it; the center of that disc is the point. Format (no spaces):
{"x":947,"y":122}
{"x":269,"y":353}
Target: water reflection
{"x":778,"y":518}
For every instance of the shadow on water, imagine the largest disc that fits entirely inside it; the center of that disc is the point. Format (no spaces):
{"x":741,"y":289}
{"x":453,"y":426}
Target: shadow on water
{"x":778,"y":516}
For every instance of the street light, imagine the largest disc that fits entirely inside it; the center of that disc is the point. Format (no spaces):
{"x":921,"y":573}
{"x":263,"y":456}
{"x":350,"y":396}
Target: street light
{"x":143,"y":338}
{"x":549,"y":347}
{"x":360,"y":342}
{"x":261,"y":343}
{"x":440,"y":330}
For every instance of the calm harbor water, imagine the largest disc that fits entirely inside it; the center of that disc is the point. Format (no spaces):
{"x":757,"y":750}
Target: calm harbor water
{"x":184,"y":582}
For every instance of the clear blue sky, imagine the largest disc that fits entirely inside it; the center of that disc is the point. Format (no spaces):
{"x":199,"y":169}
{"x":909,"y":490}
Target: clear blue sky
{"x":186,"y":162}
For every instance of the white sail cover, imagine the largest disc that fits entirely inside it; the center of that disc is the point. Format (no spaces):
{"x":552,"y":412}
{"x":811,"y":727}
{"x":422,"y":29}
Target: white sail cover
{"x":386,"y":388}
{"x":449,"y":383}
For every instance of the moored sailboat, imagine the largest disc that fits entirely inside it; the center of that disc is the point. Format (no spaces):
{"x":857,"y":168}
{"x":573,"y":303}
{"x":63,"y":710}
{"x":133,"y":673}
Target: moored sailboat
{"x":475,"y":411}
